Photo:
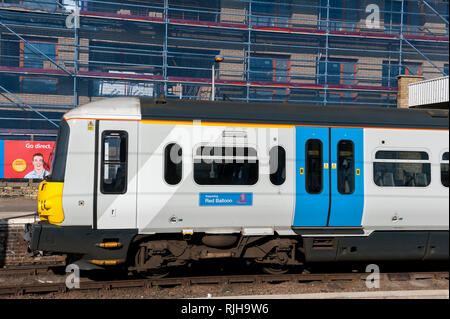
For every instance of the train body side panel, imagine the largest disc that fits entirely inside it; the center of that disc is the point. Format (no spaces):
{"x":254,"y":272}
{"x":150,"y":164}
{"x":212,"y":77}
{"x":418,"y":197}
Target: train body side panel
{"x":406,"y":208}
{"x":172,"y":208}
{"x":78,"y":199}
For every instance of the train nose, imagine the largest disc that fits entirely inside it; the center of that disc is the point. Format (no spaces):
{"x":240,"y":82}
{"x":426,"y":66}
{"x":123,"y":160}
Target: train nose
{"x":50,"y":202}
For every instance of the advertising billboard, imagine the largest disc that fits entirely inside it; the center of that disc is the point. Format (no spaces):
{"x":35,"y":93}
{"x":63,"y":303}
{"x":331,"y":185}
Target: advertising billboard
{"x":25,"y":159}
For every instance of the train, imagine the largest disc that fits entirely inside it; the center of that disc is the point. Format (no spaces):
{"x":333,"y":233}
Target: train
{"x":151,"y":184}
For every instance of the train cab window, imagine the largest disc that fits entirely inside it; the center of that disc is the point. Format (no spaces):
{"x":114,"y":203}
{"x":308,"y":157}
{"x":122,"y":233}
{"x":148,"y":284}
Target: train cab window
{"x":114,"y":162}
{"x":277,"y":165}
{"x":444,"y":169}
{"x":346,"y":167}
{"x":219,"y":165}
{"x":60,"y":158}
{"x":314,"y":167}
{"x":401,"y":169}
{"x":173,"y":164}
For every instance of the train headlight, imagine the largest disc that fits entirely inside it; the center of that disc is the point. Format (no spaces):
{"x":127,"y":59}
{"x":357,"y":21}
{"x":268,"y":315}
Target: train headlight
{"x":47,"y":204}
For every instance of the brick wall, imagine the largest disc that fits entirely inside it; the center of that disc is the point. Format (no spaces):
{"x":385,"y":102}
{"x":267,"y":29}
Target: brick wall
{"x":27,"y":190}
{"x":403,"y":89}
{"x":13,"y":248}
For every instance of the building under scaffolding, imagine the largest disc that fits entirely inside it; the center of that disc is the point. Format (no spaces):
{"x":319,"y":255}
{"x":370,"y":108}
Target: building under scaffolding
{"x":55,"y":55}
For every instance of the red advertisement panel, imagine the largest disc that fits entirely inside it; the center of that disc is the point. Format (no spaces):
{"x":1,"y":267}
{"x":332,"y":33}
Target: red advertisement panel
{"x":27,"y":159}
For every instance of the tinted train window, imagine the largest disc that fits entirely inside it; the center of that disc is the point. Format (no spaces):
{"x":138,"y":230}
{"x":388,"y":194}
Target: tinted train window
{"x":226,"y":166}
{"x":277,"y":165}
{"x":346,"y":167}
{"x":173,"y":164}
{"x":59,"y":160}
{"x":444,"y":169}
{"x":114,"y":162}
{"x":401,"y":169}
{"x":314,"y":167}
{"x":405,"y":155}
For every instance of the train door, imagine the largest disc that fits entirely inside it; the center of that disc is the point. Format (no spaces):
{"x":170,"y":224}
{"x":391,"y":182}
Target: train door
{"x":116,"y":175}
{"x":312,"y":177}
{"x":347,"y":182}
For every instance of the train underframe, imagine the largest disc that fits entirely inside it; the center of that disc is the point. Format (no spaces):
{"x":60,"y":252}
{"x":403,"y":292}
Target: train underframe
{"x":157,"y":254}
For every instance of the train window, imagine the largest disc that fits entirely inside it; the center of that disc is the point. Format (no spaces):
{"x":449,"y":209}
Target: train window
{"x":314,"y":167}
{"x":444,"y":169}
{"x":401,"y":155}
{"x":277,"y":165}
{"x":346,"y":167}
{"x":401,"y":169}
{"x":173,"y":164}
{"x":226,"y":166}
{"x":114,"y":162}
{"x":59,"y":160}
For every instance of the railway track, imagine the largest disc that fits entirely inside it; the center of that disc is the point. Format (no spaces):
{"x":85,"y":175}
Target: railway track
{"x":86,"y":285}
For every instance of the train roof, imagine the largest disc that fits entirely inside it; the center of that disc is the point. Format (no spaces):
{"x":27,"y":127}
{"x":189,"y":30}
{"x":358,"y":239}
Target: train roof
{"x":264,"y":113}
{"x":297,"y":114}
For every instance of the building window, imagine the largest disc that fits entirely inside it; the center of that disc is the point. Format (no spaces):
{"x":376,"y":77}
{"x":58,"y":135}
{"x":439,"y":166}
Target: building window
{"x":401,"y":169}
{"x":191,"y":63}
{"x":271,"y":68}
{"x":412,"y":16}
{"x":33,"y":4}
{"x":226,"y":165}
{"x":346,"y":167}
{"x":196,"y":10}
{"x":277,"y":165}
{"x":33,"y":59}
{"x":343,"y":14}
{"x":114,"y":162}
{"x":444,"y":169}
{"x":29,"y":58}
{"x":391,"y":69}
{"x":314,"y":167}
{"x":273,"y":13}
{"x":173,"y":163}
{"x":338,"y":71}
{"x":38,"y":85}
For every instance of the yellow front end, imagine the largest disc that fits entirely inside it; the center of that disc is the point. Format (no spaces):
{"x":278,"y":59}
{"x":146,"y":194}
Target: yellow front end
{"x":50,"y":202}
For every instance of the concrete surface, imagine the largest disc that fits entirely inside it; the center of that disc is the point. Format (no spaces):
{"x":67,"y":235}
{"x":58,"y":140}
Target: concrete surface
{"x":402,"y":294}
{"x":18,"y":205}
{"x":16,"y":215}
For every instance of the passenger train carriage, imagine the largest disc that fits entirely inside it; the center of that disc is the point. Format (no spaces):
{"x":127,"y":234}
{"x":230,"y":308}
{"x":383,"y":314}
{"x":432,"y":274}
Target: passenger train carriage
{"x":150,"y":184}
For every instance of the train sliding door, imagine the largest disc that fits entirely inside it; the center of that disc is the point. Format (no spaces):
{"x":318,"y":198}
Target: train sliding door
{"x":312,"y":177}
{"x":329,"y":177}
{"x":347,"y":182}
{"x":116,"y":175}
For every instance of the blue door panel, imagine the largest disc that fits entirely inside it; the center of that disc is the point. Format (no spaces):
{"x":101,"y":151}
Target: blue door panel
{"x":347,"y":209}
{"x":311,"y":210}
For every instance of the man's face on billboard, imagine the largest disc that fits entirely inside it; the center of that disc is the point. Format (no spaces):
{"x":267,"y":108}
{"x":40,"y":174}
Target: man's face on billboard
{"x":38,"y":162}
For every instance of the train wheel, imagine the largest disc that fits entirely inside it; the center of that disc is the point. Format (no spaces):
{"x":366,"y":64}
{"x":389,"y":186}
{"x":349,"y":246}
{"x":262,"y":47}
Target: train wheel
{"x":274,"y":269}
{"x":156,"y":269}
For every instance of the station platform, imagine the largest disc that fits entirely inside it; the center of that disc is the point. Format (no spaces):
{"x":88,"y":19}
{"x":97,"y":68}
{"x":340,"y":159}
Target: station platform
{"x":17,"y":208}
{"x":399,"y":294}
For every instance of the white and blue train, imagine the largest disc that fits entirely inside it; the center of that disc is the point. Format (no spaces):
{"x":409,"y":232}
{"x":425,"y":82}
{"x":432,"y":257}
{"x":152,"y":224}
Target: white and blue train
{"x":151,"y":184}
